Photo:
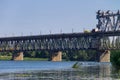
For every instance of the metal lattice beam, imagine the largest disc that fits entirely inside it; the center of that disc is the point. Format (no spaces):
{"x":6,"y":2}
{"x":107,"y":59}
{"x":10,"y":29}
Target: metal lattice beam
{"x":108,"y":21}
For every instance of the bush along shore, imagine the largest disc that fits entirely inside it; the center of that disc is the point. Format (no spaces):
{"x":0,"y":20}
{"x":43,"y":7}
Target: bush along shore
{"x":115,"y":58}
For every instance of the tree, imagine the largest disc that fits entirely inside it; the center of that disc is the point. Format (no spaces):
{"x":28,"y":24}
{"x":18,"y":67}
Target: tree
{"x":115,"y":58}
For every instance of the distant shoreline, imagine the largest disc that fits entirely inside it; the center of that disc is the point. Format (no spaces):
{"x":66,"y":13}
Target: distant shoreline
{"x":6,"y":58}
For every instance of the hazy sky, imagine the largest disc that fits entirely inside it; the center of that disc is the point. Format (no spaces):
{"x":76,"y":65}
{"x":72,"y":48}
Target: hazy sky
{"x":35,"y":16}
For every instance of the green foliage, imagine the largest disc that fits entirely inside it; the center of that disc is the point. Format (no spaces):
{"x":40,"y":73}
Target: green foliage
{"x":32,"y":54}
{"x":92,"y":55}
{"x":65,"y":56}
{"x":29,"y":54}
{"x":5,"y":53}
{"x":115,"y":58}
{"x":76,"y":66}
{"x":38,"y":54}
{"x":80,"y":55}
{"x":68,"y":55}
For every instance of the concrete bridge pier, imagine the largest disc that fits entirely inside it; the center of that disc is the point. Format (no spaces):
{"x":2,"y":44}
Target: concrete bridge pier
{"x":17,"y":56}
{"x":104,"y":56}
{"x":56,"y":56}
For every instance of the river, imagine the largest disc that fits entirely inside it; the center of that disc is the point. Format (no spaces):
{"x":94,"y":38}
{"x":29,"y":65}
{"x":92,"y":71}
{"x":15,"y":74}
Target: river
{"x":47,"y":70}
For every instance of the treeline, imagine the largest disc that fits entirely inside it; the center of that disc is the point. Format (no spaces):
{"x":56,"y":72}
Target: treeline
{"x":115,"y":58}
{"x":69,"y":55}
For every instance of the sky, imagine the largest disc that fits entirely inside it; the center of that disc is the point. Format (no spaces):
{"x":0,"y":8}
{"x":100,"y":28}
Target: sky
{"x":34,"y":17}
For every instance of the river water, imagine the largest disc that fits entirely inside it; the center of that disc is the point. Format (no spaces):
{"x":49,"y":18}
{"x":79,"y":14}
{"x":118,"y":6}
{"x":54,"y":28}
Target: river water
{"x":47,"y":70}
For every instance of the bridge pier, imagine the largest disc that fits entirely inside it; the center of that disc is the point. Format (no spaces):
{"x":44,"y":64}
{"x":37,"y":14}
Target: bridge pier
{"x":56,"y":56}
{"x":17,"y":56}
{"x":104,"y":56}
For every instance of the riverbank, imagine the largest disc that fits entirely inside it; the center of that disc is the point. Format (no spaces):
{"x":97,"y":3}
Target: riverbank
{"x":25,"y":58}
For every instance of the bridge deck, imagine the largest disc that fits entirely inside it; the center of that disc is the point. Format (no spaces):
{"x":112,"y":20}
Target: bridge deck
{"x":69,"y":41}
{"x":63,"y":35}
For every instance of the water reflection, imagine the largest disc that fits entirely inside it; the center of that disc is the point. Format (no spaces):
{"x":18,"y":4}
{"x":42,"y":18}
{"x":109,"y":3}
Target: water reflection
{"x":86,"y":71}
{"x":96,"y":71}
{"x":115,"y":72}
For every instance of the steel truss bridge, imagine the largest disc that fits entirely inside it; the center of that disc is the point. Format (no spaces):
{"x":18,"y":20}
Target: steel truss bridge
{"x":106,"y":37}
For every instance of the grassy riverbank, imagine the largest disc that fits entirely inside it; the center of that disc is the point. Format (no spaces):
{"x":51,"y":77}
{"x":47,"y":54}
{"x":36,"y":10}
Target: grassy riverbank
{"x":25,"y":58}
{"x":5,"y":57}
{"x":35,"y":59}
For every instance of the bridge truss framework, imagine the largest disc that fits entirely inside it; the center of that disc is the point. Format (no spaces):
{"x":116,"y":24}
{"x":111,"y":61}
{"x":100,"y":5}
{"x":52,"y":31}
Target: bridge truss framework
{"x":107,"y":37}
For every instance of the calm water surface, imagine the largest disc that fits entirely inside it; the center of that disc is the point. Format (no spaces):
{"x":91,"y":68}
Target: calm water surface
{"x":13,"y":66}
{"x":47,"y":70}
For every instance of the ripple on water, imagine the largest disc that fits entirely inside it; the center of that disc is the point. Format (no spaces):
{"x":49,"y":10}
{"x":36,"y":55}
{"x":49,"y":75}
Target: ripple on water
{"x":46,"y":70}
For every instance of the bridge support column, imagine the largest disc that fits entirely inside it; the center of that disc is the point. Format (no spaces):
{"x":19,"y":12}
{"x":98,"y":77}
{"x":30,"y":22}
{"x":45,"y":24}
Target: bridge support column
{"x":105,"y":56}
{"x":56,"y":56}
{"x":17,"y":56}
